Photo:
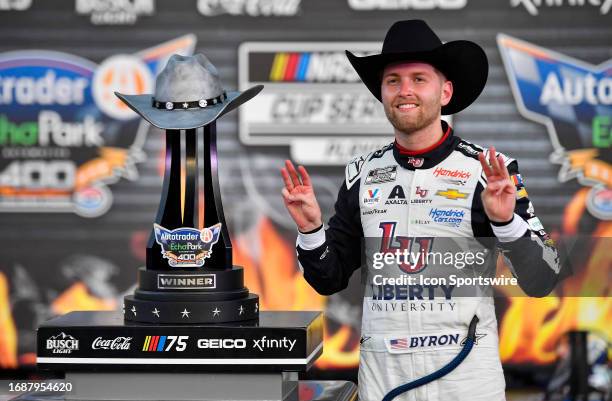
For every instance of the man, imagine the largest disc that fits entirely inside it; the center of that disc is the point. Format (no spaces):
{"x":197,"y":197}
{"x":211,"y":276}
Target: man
{"x":426,"y":185}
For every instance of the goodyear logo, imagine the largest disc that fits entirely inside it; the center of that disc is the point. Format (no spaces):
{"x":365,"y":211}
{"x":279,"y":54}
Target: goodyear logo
{"x":574,"y":100}
{"x":64,"y":136}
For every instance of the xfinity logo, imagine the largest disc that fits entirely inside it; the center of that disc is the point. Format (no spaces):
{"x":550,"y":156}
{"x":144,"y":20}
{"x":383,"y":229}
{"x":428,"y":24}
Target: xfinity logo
{"x":118,"y":343}
{"x":532,"y":6}
{"x":406,"y":4}
{"x":62,"y":344}
{"x":262,"y":344}
{"x":267,"y":343}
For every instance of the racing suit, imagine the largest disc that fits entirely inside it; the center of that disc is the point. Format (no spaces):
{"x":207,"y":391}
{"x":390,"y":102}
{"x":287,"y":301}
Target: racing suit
{"x":402,"y":199}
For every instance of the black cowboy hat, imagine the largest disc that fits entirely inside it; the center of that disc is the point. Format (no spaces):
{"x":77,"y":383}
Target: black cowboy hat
{"x":461,"y":61}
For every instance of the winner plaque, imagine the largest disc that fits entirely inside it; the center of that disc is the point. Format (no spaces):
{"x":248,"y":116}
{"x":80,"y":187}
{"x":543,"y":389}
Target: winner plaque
{"x":189,"y":276}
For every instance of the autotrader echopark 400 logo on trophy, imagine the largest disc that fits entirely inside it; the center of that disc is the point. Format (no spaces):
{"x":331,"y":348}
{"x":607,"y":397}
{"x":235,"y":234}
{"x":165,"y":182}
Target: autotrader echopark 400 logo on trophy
{"x":186,"y":237}
{"x":187,"y":247}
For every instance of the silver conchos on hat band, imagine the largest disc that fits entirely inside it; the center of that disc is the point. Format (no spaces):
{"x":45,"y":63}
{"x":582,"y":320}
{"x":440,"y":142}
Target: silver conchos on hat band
{"x":197,"y":104}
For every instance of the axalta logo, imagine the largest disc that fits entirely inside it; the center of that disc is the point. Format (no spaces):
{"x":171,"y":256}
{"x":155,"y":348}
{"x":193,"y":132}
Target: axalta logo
{"x":252,"y":8}
{"x":406,"y":4}
{"x":442,"y":172}
{"x":533,"y":6}
{"x":115,"y":12}
{"x":397,"y":196}
{"x":449,"y":217}
{"x":117,"y":343}
{"x":222,"y":343}
{"x":62,"y":344}
{"x":573,"y":99}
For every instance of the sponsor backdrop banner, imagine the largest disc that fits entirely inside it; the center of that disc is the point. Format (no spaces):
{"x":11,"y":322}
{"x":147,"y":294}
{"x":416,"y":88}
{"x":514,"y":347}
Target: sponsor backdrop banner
{"x":80,"y":174}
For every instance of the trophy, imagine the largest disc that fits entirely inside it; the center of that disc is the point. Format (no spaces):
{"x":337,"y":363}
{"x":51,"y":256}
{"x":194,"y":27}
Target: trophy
{"x":167,"y":344}
{"x":189,"y":276}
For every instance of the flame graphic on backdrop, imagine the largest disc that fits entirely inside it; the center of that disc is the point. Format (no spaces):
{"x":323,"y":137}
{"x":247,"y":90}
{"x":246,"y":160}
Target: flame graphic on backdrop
{"x":535,"y":339}
{"x":270,"y":271}
{"x":8,"y":332}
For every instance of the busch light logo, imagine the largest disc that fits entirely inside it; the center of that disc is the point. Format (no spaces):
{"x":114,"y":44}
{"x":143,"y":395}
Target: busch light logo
{"x":186,"y":246}
{"x":574,"y":100}
{"x":116,"y":12}
{"x":62,"y":344}
{"x":64,"y":136}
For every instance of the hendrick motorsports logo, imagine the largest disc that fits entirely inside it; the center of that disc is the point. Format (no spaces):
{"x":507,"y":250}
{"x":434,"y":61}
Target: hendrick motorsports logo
{"x":62,"y":344}
{"x":186,"y":246}
{"x":116,"y":12}
{"x":574,"y":100}
{"x":64,"y":136}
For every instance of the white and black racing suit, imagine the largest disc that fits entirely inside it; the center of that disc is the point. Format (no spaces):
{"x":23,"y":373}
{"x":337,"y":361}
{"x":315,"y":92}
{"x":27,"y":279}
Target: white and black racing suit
{"x":404,"y":200}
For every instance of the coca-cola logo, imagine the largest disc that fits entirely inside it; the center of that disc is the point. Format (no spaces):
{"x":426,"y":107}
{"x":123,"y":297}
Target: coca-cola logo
{"x":118,"y":343}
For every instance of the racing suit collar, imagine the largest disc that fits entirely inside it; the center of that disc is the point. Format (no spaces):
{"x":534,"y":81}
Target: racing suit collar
{"x":428,"y":157}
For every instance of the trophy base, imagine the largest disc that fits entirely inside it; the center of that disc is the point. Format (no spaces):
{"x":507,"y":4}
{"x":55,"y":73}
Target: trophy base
{"x":190,"y":311}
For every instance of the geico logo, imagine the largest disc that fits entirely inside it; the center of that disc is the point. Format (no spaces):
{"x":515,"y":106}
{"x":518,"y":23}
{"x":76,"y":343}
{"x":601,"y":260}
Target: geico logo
{"x":406,"y":4}
{"x":575,"y":90}
{"x":45,"y":90}
{"x":221,"y":343}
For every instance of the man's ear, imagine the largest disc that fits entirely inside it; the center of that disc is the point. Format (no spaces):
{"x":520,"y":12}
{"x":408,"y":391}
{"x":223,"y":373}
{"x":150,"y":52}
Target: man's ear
{"x":447,"y":92}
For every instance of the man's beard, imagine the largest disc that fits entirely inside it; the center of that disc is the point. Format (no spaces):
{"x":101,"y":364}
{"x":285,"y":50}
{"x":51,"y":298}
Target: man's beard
{"x":418,"y":121}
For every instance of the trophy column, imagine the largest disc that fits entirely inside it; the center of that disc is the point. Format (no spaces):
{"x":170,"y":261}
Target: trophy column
{"x":189,"y":276}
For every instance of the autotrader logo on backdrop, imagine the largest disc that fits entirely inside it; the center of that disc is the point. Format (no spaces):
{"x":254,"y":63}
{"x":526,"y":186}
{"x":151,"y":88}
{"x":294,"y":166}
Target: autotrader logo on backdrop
{"x":574,"y":100}
{"x":64,"y":136}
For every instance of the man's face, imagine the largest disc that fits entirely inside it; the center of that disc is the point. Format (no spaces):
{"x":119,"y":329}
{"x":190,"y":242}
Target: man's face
{"x":413,"y":94}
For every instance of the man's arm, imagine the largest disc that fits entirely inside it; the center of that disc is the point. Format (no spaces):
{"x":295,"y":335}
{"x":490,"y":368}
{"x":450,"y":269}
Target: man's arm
{"x":521,"y":237}
{"x":329,"y":257}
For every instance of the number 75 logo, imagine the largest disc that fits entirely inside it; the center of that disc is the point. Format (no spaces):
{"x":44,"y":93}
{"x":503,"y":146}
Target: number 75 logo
{"x":165,"y":343}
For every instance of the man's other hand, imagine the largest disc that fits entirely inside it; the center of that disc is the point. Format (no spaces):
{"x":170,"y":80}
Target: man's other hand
{"x":499,"y":197}
{"x":299,"y":198}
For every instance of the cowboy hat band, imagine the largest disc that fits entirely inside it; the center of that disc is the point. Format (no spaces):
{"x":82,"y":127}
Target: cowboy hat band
{"x":464,"y":63}
{"x":198,"y":104}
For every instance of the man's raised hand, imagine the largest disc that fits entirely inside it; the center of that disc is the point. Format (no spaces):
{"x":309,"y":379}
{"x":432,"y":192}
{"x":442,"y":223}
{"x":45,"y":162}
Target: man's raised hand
{"x":499,"y":197}
{"x":299,"y":198}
